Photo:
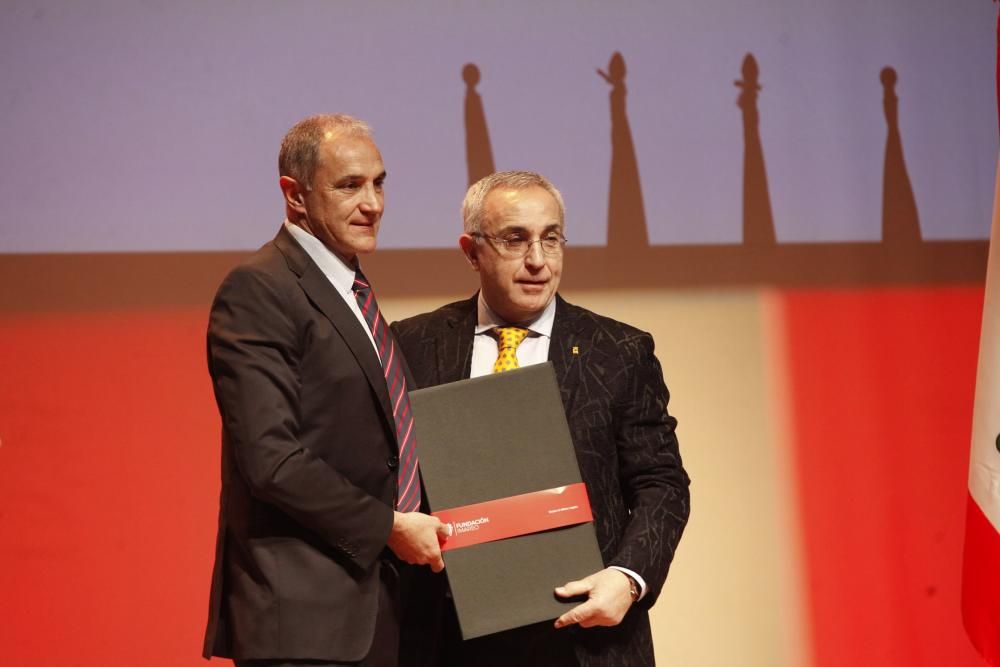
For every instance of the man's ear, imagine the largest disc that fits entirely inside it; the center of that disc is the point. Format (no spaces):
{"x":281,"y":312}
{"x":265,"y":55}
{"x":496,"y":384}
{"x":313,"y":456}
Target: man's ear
{"x":469,"y":249}
{"x":293,"y":194}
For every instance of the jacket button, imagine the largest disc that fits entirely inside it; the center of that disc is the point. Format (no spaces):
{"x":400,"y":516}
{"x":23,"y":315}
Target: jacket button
{"x":392,"y":462}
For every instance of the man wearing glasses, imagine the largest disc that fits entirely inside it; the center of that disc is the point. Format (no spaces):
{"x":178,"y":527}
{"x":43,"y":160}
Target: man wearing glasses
{"x":616,"y":406}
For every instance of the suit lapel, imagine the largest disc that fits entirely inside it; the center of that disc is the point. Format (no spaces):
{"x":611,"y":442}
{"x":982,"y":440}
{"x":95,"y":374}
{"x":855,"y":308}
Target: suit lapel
{"x":454,"y":343}
{"x":566,"y":351}
{"x":319,"y":290}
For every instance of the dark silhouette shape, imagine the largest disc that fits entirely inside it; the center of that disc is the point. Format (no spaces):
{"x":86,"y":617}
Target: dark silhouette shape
{"x":478,"y":153}
{"x":626,"y":211}
{"x":900,"y":221}
{"x":113,"y":281}
{"x":758,"y":221}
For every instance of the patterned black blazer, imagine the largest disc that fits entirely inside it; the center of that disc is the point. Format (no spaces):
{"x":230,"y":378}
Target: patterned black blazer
{"x":616,"y":405}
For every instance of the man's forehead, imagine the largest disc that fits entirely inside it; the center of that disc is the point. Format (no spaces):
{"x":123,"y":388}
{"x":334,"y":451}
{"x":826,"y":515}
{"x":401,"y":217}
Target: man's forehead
{"x":339,"y":143}
{"x":531,"y":207}
{"x":351,"y":152}
{"x":508,"y":195}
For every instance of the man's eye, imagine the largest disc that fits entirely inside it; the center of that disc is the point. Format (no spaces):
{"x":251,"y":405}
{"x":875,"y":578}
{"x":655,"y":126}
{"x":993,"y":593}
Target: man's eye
{"x":515,"y":242}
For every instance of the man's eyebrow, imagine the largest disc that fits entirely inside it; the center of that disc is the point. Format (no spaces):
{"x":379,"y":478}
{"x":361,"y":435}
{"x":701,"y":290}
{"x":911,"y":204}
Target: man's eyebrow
{"x":361,"y":177}
{"x":515,"y":229}
{"x":511,"y":229}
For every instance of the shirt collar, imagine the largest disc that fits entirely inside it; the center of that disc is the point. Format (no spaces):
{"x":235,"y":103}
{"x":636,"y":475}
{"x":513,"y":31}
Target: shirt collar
{"x":337,"y":271}
{"x":540,"y":326}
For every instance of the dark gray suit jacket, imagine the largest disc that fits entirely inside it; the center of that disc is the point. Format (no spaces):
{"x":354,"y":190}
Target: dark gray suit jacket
{"x":308,"y":465}
{"x":616,"y":405}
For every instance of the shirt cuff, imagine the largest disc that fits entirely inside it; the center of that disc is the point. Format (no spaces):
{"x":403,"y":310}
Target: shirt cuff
{"x":639,"y":580}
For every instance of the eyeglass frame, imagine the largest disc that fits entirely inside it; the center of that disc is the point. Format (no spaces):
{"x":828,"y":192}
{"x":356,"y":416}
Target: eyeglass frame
{"x":502,"y":245}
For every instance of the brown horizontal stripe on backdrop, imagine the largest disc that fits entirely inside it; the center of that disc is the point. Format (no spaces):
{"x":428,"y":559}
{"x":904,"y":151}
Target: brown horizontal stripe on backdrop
{"x":63,"y":282}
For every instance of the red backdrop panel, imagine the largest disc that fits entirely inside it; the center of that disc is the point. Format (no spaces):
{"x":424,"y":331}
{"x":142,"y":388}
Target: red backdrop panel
{"x":109,"y":476}
{"x":882,"y":384}
{"x":108,"y":483}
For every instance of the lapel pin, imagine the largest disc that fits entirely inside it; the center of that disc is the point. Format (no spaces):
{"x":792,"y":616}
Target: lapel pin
{"x":576,"y":350}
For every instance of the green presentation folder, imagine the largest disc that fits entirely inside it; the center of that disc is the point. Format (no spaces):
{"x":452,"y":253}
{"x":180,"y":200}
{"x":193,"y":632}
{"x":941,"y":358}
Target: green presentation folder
{"x":493,"y":437}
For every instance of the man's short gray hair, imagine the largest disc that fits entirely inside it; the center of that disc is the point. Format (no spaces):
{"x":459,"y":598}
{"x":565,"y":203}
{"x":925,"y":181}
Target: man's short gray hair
{"x":299,"y":152}
{"x":473,"y":207}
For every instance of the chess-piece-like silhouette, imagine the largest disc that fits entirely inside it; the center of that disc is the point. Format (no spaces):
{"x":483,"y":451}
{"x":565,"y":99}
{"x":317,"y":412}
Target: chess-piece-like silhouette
{"x":626,"y":211}
{"x":758,"y":221}
{"x":900,"y":220}
{"x":478,"y":152}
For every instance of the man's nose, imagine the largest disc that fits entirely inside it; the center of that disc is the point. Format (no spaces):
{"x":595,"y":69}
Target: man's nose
{"x":371,"y":200}
{"x":535,"y":258}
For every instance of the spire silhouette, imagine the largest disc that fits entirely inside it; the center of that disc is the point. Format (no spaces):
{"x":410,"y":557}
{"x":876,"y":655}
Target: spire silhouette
{"x":758,"y":221}
{"x":900,"y":221}
{"x":478,"y":153}
{"x":626,"y":211}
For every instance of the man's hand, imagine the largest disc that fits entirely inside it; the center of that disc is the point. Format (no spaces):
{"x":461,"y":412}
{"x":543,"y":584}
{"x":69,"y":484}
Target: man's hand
{"x":416,"y":539}
{"x":608,"y":598}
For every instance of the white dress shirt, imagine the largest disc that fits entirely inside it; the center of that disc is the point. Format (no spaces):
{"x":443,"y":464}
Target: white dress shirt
{"x":337,"y":271}
{"x":534,"y":349}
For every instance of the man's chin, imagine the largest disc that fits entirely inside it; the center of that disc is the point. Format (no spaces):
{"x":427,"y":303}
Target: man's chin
{"x":532,"y":306}
{"x":347,"y":252}
{"x":364,"y":246}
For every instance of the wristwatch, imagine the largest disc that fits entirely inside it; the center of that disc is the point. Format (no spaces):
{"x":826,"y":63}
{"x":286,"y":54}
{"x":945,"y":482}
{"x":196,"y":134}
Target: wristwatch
{"x":633,"y":588}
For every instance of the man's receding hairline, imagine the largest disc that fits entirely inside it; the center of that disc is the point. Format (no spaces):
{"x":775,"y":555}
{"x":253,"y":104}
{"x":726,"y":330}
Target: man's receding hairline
{"x":488,"y":202}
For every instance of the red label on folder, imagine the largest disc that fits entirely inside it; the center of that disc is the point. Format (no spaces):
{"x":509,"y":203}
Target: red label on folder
{"x":516,"y":515}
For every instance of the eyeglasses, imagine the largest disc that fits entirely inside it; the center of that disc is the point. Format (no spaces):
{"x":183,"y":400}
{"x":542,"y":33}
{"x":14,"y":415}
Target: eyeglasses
{"x":516,"y":246}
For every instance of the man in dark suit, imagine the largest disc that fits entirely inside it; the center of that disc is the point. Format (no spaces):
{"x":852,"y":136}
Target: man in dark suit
{"x":616,"y":404}
{"x":319,"y":475}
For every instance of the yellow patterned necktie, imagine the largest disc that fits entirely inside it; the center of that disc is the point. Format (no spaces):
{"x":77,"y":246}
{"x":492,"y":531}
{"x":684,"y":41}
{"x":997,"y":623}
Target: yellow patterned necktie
{"x":508,"y":340}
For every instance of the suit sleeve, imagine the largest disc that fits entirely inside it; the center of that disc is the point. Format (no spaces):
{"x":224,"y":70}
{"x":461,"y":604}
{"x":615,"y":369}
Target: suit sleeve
{"x":652,"y":476}
{"x":254,"y":352}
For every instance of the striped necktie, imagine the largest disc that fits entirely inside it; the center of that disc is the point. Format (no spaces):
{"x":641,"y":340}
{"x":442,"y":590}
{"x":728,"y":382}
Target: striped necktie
{"x":408,"y":482}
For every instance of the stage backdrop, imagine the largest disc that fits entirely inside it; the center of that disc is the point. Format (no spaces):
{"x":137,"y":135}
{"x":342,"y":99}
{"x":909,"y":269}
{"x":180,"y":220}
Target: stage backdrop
{"x":792,"y":197}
